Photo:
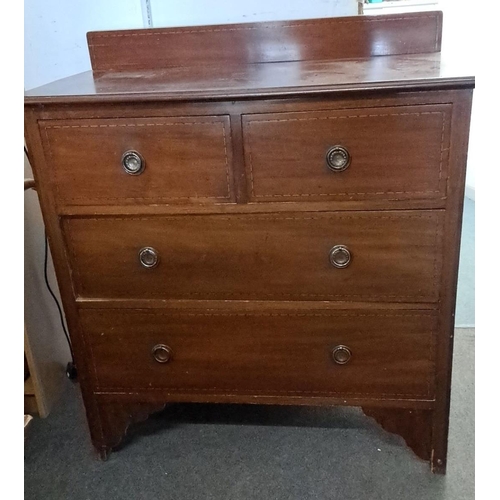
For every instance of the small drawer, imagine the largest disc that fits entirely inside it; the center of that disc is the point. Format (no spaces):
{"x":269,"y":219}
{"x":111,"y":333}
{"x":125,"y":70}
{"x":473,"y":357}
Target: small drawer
{"x":386,"y":354}
{"x":135,"y":161}
{"x":386,"y":153}
{"x":390,"y":256}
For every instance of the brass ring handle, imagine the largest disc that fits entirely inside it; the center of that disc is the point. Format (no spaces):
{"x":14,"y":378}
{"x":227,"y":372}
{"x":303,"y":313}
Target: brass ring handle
{"x":341,"y":354}
{"x":161,"y":353}
{"x":340,"y":256}
{"x":133,"y":163}
{"x":148,"y":257}
{"x":338,"y":158}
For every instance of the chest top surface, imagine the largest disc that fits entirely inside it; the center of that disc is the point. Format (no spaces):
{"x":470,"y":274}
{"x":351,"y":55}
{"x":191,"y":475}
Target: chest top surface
{"x":293,"y":58}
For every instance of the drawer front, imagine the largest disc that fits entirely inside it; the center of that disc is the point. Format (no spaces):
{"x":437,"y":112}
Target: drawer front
{"x":386,"y":153}
{"x":183,"y":160}
{"x":394,"y":256}
{"x":322,"y":353}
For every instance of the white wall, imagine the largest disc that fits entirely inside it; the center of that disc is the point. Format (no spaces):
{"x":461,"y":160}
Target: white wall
{"x":461,"y":32}
{"x":55,"y":43}
{"x":194,"y":12}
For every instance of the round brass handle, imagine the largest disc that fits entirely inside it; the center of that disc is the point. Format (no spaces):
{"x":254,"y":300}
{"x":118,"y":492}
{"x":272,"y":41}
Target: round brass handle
{"x":341,"y":354}
{"x":162,"y":353}
{"x":338,"y":158}
{"x":340,"y":256}
{"x":133,"y":163}
{"x":148,"y":257}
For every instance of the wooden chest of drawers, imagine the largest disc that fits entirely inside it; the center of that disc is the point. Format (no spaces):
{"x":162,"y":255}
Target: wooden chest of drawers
{"x":275,"y":224}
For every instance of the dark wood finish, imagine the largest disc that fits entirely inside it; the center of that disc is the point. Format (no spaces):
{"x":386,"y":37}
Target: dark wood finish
{"x":395,"y":153}
{"x":449,"y":278}
{"x":246,"y":305}
{"x":275,"y":353}
{"x":244,"y":294}
{"x":115,"y":420}
{"x":249,"y":208}
{"x":260,"y":399}
{"x":166,"y":106}
{"x":133,"y":113}
{"x":414,"y":426}
{"x":250,"y":43}
{"x":277,"y":80}
{"x":396,"y":256}
{"x":187,"y":160}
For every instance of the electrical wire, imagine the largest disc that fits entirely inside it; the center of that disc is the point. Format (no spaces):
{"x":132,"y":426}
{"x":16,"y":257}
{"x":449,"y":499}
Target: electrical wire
{"x":61,"y":317}
{"x":49,"y":288}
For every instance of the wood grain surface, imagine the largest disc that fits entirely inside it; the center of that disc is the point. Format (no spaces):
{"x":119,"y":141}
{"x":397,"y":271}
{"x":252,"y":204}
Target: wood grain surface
{"x":250,"y":81}
{"x":234,"y":123}
{"x":396,"y":256}
{"x":273,"y":353}
{"x":315,"y":39}
{"x":396,"y":153}
{"x":187,"y":159}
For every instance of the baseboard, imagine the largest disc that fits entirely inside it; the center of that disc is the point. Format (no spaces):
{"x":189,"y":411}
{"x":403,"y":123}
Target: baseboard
{"x":466,"y":327}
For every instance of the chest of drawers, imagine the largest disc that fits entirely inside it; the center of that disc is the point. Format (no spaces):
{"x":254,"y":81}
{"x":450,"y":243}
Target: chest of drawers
{"x":259,"y":213}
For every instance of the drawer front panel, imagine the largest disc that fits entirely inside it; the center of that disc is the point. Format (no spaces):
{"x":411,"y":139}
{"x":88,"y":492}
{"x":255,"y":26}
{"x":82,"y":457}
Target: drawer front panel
{"x":185,"y":159}
{"x":391,"y":354}
{"x":394,"y":256}
{"x":387,"y":153}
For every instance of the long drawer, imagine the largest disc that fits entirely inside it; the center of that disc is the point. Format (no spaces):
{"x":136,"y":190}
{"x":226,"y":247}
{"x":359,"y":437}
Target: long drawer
{"x":383,"y":153}
{"x":366,"y":353}
{"x":134,"y":161}
{"x":374,"y":256}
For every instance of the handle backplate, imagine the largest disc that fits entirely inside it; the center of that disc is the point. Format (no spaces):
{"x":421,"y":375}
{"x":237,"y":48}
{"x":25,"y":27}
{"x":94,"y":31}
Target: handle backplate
{"x":341,"y":354}
{"x":340,"y":256}
{"x":148,"y":257}
{"x":133,"y":163}
{"x":338,"y":158}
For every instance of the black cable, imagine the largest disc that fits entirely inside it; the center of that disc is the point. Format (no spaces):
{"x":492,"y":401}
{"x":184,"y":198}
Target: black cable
{"x":45,"y":275}
{"x":70,"y":368}
{"x":61,"y":317}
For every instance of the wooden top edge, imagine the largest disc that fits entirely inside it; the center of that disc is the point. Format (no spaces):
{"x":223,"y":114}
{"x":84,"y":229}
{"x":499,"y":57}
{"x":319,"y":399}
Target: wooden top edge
{"x":278,"y":41}
{"x":231,"y":27}
{"x":454,"y":83}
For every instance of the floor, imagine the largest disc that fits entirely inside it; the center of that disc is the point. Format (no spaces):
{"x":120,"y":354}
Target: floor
{"x":254,"y":452}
